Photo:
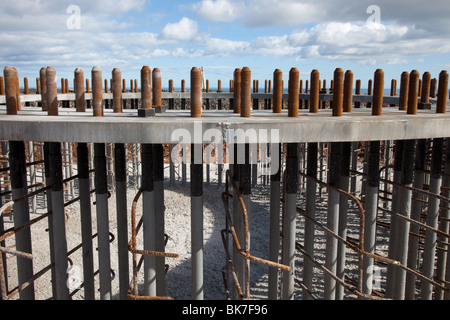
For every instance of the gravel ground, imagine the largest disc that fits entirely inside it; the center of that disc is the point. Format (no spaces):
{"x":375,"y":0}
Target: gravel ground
{"x":177,"y":227}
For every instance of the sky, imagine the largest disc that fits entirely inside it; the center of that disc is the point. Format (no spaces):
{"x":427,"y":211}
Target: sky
{"x":222,"y":35}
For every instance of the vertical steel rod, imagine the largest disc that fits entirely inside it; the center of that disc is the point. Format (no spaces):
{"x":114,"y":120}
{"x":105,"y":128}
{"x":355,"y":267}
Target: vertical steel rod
{"x":425,"y":92}
{"x":84,"y":188}
{"x":12,"y":98}
{"x":429,"y":252}
{"x":348,"y":91}
{"x":404,"y":91}
{"x":334,"y":168}
{"x":404,"y":208}
{"x":97,"y":92}
{"x":18,"y":177}
{"x":370,"y":215}
{"x":343,"y":208}
{"x":442,"y":255}
{"x":80,"y":100}
{"x":59,"y":233}
{"x":120,"y":164}
{"x":237,"y":91}
{"x":292,"y":185}
{"x":48,"y":183}
{"x":197,"y":292}
{"x":21,"y":214}
{"x":43,"y":83}
{"x":277,"y":91}
{"x":393,"y":229}
{"x":158,"y":175}
{"x":101,"y":190}
{"x":332,"y":219}
{"x":57,"y":196}
{"x":445,"y":226}
{"x":148,"y":213}
{"x":416,"y":214}
{"x":117,"y":90}
{"x":274,"y":228}
{"x":310,"y":210}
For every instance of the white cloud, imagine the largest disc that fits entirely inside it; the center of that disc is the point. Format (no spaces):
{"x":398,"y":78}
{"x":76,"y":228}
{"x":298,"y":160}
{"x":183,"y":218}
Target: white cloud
{"x":219,"y":10}
{"x":277,"y":46}
{"x":185,"y":29}
{"x":224,"y":47}
{"x":259,"y":13}
{"x":267,"y":13}
{"x":433,"y":18}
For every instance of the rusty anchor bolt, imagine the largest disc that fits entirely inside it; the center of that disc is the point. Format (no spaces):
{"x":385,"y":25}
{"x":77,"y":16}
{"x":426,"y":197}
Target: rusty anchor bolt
{"x":293,"y":89}
{"x":378,"y":89}
{"x":246,"y":93}
{"x":412,"y":92}
{"x":277,"y":91}
{"x":80,"y":100}
{"x":97,"y":92}
{"x":338,"y":92}
{"x":196,"y":92}
{"x":117,"y":90}
{"x":52,"y":91}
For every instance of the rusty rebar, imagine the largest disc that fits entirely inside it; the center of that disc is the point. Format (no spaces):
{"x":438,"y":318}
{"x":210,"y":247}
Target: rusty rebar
{"x":80,"y":100}
{"x":52,"y":91}
{"x":25,"y":86}
{"x":12,"y":98}
{"x":156,"y":86}
{"x":357,"y":92}
{"x":378,"y":89}
{"x":230,"y":229}
{"x":97,"y":92}
{"x":63,"y":90}
{"x":236,"y":86}
{"x":277,"y":91}
{"x":2,"y":87}
{"x":146,"y":88}
{"x":106,"y":85}
{"x":16,"y":75}
{"x":43,"y":89}
{"x":441,"y":106}
{"x":117,"y":90}
{"x":425,"y":91}
{"x":404,"y":91}
{"x":246,"y":93}
{"x":348,"y":91}
{"x":413,"y":91}
{"x":196,"y":92}
{"x":132,"y":247}
{"x":315,"y":90}
{"x":338,"y":92}
{"x":293,"y":101}
{"x":66,"y":86}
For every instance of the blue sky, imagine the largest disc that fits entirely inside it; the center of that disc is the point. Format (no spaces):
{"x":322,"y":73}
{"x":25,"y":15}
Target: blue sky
{"x":221,"y":35}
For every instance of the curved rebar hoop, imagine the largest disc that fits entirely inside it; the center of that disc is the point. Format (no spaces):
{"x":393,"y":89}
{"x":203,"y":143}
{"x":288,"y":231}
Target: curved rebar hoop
{"x":245,"y":253}
{"x":132,"y":247}
{"x":360,"y":249}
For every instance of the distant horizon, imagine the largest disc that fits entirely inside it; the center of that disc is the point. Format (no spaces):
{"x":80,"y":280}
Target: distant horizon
{"x":221,"y":35}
